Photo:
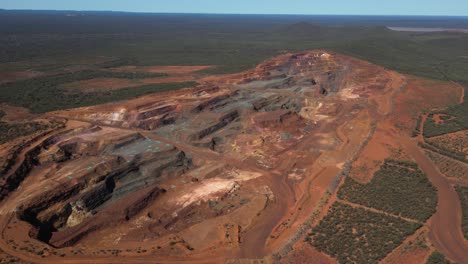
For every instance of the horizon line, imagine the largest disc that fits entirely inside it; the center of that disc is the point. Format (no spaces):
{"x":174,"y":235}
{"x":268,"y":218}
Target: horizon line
{"x":208,"y":13}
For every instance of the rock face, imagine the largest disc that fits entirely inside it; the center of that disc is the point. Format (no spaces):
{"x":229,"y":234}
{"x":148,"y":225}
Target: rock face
{"x":211,"y":103}
{"x":12,"y":177}
{"x":223,"y":121}
{"x":101,"y":167}
{"x":122,"y":211}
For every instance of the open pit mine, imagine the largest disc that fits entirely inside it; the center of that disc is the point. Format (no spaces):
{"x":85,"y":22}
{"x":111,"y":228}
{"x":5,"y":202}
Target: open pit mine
{"x":234,"y":168}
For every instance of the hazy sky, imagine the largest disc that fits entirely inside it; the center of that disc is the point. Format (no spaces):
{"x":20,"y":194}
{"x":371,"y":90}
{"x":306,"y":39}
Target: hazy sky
{"x":358,"y":7}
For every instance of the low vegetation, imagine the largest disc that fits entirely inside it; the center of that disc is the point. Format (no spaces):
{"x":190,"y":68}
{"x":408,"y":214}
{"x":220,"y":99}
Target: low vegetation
{"x":432,"y":129}
{"x":449,"y":167}
{"x":456,"y":143}
{"x":117,"y":63}
{"x":10,"y":131}
{"x":437,"y":258}
{"x":456,"y":119}
{"x":463,"y":194}
{"x":35,"y":92}
{"x":127,"y":75}
{"x":417,"y":128}
{"x":443,"y":151}
{"x":398,"y":187}
{"x":419,"y":243}
{"x":43,"y":94}
{"x":244,"y":42}
{"x":355,"y":235}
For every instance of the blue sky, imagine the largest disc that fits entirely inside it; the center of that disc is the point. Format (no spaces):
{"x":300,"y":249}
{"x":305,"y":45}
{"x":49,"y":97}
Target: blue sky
{"x":352,"y":7}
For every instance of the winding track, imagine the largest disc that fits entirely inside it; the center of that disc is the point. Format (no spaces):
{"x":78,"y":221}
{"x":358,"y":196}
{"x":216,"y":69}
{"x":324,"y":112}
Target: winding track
{"x":445,"y":228}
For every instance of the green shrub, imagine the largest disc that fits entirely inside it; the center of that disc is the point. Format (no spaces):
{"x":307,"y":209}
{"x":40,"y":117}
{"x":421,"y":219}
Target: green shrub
{"x":442,"y":151}
{"x":417,"y":128}
{"x":356,"y":235}
{"x":437,"y":258}
{"x":398,"y":187}
{"x":458,"y":120}
{"x":449,"y":167}
{"x":43,"y":94}
{"x":10,"y":131}
{"x":463,"y":194}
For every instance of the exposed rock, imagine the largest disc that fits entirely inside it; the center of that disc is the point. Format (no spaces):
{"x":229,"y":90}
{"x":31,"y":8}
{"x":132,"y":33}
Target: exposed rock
{"x":223,"y":121}
{"x":210,"y":104}
{"x":122,"y":210}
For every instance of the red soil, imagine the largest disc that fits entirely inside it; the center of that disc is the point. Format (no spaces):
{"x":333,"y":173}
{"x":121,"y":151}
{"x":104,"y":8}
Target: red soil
{"x":15,"y":76}
{"x":110,"y":84}
{"x":176,"y":74}
{"x":15,"y":113}
{"x":171,"y":70}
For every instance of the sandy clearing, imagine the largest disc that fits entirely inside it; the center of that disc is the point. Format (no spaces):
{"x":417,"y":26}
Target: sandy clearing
{"x":171,"y":70}
{"x":111,"y":84}
{"x":16,"y":76}
{"x":207,"y":190}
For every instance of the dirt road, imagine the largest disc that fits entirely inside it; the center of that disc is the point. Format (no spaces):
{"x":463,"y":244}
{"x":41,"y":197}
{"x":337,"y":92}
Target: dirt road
{"x":254,"y":241}
{"x":445,"y":229}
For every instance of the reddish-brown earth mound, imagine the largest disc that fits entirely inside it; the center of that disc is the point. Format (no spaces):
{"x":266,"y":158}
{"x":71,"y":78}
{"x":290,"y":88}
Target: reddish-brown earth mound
{"x":235,"y":168}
